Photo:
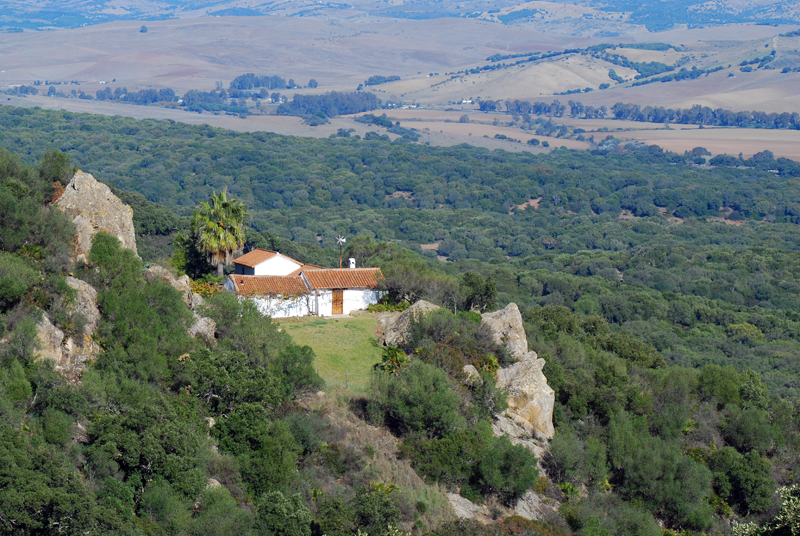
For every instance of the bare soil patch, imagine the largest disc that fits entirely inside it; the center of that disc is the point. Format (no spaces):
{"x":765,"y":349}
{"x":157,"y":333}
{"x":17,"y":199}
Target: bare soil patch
{"x":532,"y":203}
{"x":409,"y":196}
{"x":728,"y":222}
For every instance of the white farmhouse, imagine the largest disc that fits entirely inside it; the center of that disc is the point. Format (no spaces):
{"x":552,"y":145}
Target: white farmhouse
{"x":282,"y":287}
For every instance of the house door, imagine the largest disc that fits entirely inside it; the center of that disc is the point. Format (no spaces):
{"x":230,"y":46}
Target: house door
{"x":338,"y":302}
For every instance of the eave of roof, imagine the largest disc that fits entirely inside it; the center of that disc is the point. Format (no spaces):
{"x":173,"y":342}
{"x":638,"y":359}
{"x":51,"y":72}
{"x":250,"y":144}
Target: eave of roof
{"x":343,"y":278}
{"x":269,"y":285}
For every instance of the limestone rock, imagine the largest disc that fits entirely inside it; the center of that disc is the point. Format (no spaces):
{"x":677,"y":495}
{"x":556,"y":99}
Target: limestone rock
{"x":464,"y":509}
{"x":68,"y":356}
{"x":79,"y":433}
{"x":507,"y":329}
{"x":473,"y":377}
{"x":531,"y":506}
{"x":213,"y":483}
{"x":519,"y":433}
{"x":74,"y":357}
{"x":530,"y":399}
{"x":50,"y":339}
{"x":92,"y":208}
{"x":86,"y":303}
{"x":182,"y":284}
{"x":197,"y":301}
{"x":395,"y":332}
{"x":204,"y":328}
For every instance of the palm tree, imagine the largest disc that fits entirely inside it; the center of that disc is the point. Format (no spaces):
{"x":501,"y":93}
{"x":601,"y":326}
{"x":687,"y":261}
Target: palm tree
{"x":218,"y":228}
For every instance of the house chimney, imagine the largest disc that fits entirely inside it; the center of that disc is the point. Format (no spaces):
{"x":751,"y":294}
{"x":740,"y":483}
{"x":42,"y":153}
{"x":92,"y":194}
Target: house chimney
{"x":352,"y":262}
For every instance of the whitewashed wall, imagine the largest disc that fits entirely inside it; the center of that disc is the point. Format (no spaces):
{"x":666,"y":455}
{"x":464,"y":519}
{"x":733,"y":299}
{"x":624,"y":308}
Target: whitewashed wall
{"x":360,"y":299}
{"x":324,"y":302}
{"x":276,"y":266}
{"x":284,"y":307}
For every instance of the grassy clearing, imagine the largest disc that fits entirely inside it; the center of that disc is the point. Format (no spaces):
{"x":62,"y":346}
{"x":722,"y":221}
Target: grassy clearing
{"x":342,"y":346}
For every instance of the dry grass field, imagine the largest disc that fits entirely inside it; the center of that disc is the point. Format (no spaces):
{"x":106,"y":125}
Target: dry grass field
{"x":196,"y":52}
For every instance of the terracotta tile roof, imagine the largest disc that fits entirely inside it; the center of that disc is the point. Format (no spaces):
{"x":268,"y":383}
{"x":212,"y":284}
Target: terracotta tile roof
{"x":306,"y":267}
{"x":257,"y":256}
{"x":340,"y":278}
{"x":269,"y":285}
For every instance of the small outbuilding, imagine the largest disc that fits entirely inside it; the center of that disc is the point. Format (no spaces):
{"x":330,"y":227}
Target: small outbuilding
{"x":284,"y":287}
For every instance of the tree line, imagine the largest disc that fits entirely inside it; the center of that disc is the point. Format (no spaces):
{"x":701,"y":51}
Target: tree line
{"x":696,"y":115}
{"x":330,"y":104}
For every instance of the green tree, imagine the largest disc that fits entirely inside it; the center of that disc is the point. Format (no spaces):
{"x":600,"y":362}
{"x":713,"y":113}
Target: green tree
{"x":479,"y":293}
{"x":218,"y":229}
{"x":283,"y":516}
{"x":374,"y":508}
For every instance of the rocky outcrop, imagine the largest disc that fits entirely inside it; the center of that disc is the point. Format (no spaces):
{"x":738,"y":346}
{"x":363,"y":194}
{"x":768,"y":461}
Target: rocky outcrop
{"x":203,"y":328}
{"x":85,"y":303}
{"x":464,"y":509}
{"x":530,"y":399}
{"x":472,"y":376}
{"x":69,"y":356}
{"x":531,"y":506}
{"x":93,"y":208}
{"x":182,"y":284}
{"x":395,"y":331}
{"x":519,"y":433}
{"x":507,"y":329}
{"x":50,"y":339}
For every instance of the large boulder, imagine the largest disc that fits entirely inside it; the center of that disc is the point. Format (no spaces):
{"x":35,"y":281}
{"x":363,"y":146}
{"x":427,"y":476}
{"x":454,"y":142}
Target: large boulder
{"x":506,"y":327}
{"x":465,"y":509}
{"x":182,"y":284}
{"x":396,"y":330}
{"x":204,"y":328}
{"x":49,"y":339}
{"x":93,"y":208}
{"x":530,"y":399}
{"x":85,"y":304}
{"x":532,"y":506}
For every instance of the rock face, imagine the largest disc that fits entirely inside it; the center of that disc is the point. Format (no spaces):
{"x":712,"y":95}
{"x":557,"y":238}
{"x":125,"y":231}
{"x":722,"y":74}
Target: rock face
{"x":50,"y":339}
{"x":396,"y":330}
{"x":181,"y":284}
{"x":70,"y":356}
{"x":464,"y":509}
{"x":86,"y":303}
{"x":531,"y":506}
{"x":92,"y":208}
{"x":519,"y":434}
{"x":530,"y":399}
{"x":507,"y":329}
{"x":204,"y":328}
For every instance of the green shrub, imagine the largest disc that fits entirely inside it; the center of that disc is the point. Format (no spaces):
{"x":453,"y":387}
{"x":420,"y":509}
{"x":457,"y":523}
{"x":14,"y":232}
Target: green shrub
{"x":507,"y":470}
{"x":218,"y":514}
{"x":419,"y":399}
{"x":265,"y":450}
{"x":743,"y":481}
{"x":374,"y":509}
{"x":282,"y":516}
{"x":57,"y":426}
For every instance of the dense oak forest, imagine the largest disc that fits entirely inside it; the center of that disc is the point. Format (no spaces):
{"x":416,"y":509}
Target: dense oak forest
{"x":671,"y":336}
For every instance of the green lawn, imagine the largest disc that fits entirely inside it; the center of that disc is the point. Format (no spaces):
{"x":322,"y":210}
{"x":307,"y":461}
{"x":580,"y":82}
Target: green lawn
{"x":342,"y":346}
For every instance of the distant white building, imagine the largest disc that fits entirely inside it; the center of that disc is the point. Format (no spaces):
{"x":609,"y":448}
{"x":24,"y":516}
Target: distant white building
{"x":283,"y":287}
